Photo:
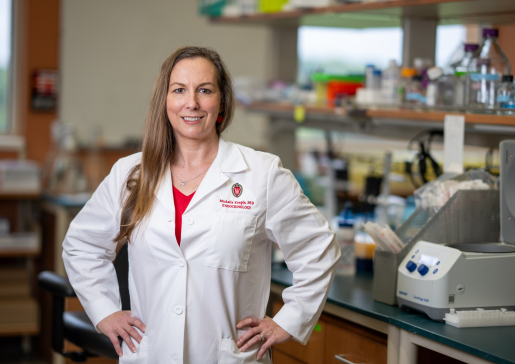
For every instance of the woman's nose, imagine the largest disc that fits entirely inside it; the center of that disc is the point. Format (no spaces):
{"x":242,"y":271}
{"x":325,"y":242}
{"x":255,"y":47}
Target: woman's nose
{"x":192,"y":102}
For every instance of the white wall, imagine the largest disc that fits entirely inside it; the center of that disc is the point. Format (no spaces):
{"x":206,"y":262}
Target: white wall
{"x":111,"y":52}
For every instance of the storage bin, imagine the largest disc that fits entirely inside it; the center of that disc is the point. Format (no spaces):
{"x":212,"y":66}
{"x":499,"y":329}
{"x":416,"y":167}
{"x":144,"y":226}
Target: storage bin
{"x":470,"y":216}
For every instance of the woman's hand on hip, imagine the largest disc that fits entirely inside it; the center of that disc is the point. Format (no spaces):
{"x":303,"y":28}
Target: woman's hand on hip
{"x":121,"y":324}
{"x":265,"y":330}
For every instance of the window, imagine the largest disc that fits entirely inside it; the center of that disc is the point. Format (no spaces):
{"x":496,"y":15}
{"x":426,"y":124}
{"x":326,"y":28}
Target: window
{"x":346,"y":51}
{"x":449,"y":43}
{"x":5,"y":62}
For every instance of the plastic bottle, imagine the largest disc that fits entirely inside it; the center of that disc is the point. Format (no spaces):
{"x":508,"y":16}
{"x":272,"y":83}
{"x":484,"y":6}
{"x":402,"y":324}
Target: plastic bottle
{"x":406,"y":76}
{"x":345,"y":236}
{"x":415,"y":94}
{"x":506,"y":96}
{"x":369,"y":76}
{"x":434,"y":73}
{"x":390,"y":84}
{"x":492,"y":63}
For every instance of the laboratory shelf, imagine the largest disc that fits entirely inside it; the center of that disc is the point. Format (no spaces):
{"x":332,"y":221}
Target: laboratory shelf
{"x":485,"y":130}
{"x":354,"y":293}
{"x":385,"y":13}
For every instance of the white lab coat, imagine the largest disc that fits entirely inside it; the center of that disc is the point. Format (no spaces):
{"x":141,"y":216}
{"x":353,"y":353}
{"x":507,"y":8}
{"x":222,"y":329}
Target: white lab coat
{"x":191,"y":297}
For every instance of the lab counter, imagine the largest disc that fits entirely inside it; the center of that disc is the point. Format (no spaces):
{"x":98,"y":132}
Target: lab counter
{"x":351,"y":298}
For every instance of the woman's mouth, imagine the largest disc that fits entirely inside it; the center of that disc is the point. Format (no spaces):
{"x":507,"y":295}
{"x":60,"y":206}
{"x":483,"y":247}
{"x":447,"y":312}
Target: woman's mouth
{"x":192,"y":119}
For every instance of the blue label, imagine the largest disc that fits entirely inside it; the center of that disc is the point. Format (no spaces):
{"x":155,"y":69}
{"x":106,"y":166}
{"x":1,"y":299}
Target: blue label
{"x":503,"y":98}
{"x":412,"y":96}
{"x":484,"y":76}
{"x":507,"y":105}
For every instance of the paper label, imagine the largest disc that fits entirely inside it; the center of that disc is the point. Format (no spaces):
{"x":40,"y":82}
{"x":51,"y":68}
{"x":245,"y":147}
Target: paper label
{"x":454,"y":135}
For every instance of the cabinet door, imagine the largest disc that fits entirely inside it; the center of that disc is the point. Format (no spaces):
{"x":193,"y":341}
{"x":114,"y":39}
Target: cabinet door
{"x":281,"y":358}
{"x":356,"y":343}
{"x":312,"y":352}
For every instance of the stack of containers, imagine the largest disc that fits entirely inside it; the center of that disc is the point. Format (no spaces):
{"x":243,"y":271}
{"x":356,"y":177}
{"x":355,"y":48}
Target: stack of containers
{"x":331,"y":89}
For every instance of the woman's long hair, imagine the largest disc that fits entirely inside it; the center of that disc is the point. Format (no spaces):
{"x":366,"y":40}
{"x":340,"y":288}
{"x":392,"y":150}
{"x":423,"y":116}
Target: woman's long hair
{"x":159,"y":140}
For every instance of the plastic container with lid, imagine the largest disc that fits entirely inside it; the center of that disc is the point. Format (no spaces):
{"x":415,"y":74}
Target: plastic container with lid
{"x":484,"y":77}
{"x":506,"y":96}
{"x":330,"y":89}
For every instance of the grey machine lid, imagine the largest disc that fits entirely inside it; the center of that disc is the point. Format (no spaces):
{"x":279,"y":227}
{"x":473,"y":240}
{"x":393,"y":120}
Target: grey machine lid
{"x":484,"y":248}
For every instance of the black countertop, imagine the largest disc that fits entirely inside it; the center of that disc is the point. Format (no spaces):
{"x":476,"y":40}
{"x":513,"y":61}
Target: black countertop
{"x":354,"y":293}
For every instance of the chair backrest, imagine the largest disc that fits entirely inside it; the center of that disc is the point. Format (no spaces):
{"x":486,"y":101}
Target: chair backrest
{"x":121,"y":265}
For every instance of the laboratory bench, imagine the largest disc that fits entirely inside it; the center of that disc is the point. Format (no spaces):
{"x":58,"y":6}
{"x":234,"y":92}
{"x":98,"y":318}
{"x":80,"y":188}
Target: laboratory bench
{"x":409,"y":337}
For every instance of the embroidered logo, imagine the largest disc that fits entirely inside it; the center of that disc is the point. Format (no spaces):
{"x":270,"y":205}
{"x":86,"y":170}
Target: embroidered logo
{"x":237,"y":190}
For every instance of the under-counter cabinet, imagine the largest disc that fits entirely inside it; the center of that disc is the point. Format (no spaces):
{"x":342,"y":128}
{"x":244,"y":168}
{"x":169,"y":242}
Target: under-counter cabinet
{"x":332,"y":338}
{"x":345,"y":335}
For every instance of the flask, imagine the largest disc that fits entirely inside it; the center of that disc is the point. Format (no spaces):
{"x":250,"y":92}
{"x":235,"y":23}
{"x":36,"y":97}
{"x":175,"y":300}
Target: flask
{"x":506,"y":96}
{"x":345,"y":237}
{"x":390,"y":84}
{"x":484,"y":76}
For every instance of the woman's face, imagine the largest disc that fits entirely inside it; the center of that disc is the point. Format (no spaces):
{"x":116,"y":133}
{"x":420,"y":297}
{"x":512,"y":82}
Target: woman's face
{"x":193,"y":100}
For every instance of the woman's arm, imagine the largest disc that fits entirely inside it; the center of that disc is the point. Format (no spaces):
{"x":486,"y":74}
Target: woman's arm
{"x":88,"y":253}
{"x":310,"y":250}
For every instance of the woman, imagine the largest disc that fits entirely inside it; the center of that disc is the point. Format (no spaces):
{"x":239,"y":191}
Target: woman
{"x":200,"y":215}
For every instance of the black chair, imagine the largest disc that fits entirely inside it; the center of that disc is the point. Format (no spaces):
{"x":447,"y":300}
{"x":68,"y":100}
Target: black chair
{"x":75,"y":326}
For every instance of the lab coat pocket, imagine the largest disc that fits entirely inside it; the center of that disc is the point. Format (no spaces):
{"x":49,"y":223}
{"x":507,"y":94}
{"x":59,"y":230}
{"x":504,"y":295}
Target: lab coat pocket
{"x":228,"y":353}
{"x":139,"y":357}
{"x":231,"y":239}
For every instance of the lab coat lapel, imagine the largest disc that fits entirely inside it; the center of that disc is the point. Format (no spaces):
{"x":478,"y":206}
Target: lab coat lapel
{"x":164,"y":192}
{"x":228,"y":160}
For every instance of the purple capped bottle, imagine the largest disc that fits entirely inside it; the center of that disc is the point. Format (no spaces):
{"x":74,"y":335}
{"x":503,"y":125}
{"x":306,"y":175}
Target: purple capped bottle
{"x":485,"y":73}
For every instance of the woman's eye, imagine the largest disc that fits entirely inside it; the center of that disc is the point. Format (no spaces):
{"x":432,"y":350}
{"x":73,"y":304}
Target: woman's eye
{"x":205,"y":91}
{"x":178,"y":90}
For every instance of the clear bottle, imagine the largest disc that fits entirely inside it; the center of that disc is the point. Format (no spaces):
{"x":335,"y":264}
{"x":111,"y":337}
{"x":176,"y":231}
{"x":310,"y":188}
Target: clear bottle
{"x":460,"y":72}
{"x":390,"y":84}
{"x":506,"y":96}
{"x":483,"y":77}
{"x":345,"y":236}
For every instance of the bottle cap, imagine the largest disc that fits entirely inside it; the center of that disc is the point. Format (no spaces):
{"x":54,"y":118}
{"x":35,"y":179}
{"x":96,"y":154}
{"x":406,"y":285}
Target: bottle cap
{"x":471,"y":47}
{"x":417,"y":78}
{"x":507,"y":78}
{"x":490,"y":33}
{"x":434,"y":72}
{"x":408,"y":72}
{"x":377,"y":72}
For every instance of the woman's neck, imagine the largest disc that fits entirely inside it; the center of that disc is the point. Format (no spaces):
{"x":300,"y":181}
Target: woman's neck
{"x":191,"y":153}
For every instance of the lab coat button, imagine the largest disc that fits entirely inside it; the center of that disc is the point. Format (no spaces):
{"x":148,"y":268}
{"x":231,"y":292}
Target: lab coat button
{"x":189,"y":221}
{"x":178,"y":310}
{"x":181,"y":263}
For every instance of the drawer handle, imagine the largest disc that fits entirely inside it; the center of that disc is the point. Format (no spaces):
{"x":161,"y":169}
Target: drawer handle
{"x":341,"y":358}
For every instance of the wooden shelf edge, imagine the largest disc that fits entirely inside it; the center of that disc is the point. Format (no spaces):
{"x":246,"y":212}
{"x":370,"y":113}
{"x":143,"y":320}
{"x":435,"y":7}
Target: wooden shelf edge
{"x":19,"y":196}
{"x":18,"y":253}
{"x":403,"y":114}
{"x":340,"y":8}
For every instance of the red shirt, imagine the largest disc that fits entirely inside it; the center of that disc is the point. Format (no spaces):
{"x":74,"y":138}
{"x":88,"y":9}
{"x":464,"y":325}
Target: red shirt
{"x":181,"y":204}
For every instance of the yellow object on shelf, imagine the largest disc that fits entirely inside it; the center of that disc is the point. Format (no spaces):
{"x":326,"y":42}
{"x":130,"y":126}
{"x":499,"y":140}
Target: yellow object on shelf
{"x":271,"y":6}
{"x":299,"y":114}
